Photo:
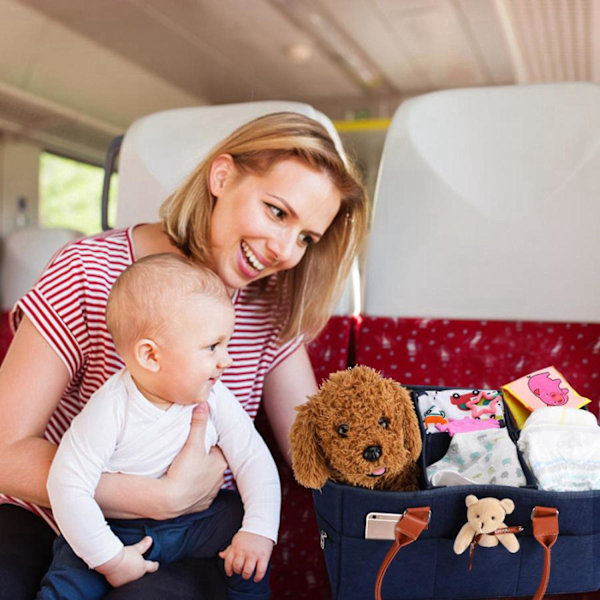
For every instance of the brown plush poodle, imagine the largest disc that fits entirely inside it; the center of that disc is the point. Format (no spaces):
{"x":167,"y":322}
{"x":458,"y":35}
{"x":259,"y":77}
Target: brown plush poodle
{"x":360,"y":429}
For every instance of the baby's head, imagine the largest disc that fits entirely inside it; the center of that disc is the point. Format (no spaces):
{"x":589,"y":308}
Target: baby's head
{"x":171,"y":320}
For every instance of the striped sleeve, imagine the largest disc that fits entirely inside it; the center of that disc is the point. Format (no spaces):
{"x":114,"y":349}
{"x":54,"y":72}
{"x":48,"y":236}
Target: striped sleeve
{"x":55,"y":307}
{"x":284,"y":351}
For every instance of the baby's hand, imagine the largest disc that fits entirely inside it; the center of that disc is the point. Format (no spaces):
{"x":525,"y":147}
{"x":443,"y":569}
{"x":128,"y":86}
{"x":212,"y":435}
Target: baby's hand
{"x":247,"y":552}
{"x":129,"y":564}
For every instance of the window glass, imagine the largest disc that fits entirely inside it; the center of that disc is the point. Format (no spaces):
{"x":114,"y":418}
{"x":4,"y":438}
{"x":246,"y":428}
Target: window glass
{"x":70,"y":193}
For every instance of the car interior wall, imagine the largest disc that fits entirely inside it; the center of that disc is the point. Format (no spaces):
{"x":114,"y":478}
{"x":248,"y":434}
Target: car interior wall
{"x":19,"y":178}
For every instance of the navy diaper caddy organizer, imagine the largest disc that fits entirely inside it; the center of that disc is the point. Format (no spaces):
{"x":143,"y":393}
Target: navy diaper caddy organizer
{"x":559,"y":544}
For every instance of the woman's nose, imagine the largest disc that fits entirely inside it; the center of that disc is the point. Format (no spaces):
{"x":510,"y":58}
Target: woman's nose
{"x":282,"y":246}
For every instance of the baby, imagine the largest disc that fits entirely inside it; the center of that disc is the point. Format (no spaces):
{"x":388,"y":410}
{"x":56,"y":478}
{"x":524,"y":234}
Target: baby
{"x":170,"y":321}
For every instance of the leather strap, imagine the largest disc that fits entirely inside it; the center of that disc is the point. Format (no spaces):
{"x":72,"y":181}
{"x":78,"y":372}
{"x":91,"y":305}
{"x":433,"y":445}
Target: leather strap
{"x":502,"y":531}
{"x":408,"y":529}
{"x":545,"y":531}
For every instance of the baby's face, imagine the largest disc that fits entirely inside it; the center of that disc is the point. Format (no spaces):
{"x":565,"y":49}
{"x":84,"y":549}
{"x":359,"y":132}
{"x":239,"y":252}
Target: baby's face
{"x":193,"y":349}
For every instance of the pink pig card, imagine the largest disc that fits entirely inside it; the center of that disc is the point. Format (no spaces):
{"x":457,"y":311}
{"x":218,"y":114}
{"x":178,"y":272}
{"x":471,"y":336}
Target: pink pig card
{"x":546,"y":387}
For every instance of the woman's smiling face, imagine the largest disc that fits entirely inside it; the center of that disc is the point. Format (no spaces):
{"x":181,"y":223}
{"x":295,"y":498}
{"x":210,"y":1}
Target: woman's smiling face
{"x":262,"y":224}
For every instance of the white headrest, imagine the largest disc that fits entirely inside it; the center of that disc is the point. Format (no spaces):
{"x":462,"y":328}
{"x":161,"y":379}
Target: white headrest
{"x":160,"y":150}
{"x":487,"y":206}
{"x":25,"y":254}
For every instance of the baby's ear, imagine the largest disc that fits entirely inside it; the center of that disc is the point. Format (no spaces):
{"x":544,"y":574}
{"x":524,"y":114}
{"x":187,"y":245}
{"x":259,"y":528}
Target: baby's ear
{"x":145,"y":353}
{"x":308,"y":462}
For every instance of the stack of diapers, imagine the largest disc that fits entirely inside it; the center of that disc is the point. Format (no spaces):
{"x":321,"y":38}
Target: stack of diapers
{"x":561,"y":445}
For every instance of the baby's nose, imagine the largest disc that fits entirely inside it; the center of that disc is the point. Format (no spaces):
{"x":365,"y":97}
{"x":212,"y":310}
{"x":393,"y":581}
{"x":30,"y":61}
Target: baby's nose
{"x":372,"y":453}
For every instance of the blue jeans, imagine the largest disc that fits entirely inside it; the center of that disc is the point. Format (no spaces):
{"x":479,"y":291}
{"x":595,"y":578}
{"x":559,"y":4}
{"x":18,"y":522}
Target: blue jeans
{"x":199,"y":535}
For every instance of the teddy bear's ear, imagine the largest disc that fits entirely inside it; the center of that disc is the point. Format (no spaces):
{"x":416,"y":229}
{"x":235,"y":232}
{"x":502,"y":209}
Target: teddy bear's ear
{"x":508,"y":505}
{"x":308,"y":463}
{"x":471,"y":499}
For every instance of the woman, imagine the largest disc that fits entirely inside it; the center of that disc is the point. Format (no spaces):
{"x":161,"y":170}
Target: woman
{"x":275,"y":212}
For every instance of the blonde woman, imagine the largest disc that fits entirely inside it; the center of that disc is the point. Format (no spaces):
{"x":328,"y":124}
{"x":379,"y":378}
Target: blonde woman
{"x":277,"y":214}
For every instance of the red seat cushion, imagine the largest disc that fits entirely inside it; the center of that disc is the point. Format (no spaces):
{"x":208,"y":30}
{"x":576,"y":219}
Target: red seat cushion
{"x":484,"y":354}
{"x":331,"y":351}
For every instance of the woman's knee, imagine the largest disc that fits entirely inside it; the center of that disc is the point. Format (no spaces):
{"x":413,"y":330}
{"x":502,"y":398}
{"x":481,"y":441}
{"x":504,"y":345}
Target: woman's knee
{"x":25,"y":552}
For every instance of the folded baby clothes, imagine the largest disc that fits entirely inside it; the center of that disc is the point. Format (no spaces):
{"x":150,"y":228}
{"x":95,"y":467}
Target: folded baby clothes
{"x":437,"y":408}
{"x":479,"y":457}
{"x":561,"y":445}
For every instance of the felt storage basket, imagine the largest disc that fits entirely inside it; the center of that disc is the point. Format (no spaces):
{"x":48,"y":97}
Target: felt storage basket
{"x":428,"y":568}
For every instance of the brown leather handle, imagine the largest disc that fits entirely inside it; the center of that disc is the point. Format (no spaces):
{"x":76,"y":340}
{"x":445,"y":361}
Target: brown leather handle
{"x":545,"y":531}
{"x":408,"y":529}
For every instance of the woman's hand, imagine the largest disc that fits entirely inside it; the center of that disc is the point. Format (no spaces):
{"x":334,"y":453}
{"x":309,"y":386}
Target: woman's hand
{"x":190,"y":485}
{"x":195,"y":478}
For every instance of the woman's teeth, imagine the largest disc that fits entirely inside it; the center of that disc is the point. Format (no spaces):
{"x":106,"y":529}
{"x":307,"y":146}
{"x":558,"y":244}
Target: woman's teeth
{"x":251,"y":258}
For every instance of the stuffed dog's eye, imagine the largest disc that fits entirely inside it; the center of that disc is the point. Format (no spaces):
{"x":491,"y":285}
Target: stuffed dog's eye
{"x":342,"y":430}
{"x":384,"y":422}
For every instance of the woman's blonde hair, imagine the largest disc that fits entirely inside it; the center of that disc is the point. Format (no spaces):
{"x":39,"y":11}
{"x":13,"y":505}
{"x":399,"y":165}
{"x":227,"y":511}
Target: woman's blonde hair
{"x":311,"y":288}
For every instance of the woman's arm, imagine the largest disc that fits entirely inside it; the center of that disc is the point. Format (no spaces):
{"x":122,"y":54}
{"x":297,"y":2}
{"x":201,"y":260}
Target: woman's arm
{"x":288,"y":385}
{"x":32,"y":380}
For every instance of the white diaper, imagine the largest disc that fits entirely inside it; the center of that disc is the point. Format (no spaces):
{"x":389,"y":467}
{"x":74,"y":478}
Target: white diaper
{"x":561,"y":445}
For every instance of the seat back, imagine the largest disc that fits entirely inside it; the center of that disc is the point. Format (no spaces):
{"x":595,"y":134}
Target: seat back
{"x":25,"y":253}
{"x":484,"y":243}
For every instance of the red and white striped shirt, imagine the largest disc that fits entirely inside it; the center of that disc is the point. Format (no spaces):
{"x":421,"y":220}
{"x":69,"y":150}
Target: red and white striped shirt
{"x":67,"y":306}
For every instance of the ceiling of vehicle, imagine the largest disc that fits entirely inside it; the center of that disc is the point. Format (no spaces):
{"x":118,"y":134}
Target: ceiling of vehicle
{"x":85,"y":70}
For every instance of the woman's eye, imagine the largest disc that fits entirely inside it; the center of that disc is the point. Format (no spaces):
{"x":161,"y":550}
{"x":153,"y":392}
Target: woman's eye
{"x":384,"y":422}
{"x":307,"y":240}
{"x":342,"y":430}
{"x":276,"y":211}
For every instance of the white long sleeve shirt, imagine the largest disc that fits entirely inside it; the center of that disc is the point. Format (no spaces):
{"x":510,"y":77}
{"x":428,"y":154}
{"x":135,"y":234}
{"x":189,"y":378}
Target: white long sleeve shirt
{"x":119,"y":430}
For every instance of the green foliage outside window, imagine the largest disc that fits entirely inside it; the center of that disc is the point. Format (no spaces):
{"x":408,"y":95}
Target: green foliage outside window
{"x":70,"y":193}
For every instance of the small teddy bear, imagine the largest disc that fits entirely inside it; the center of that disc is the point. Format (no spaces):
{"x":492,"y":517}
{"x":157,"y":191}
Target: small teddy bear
{"x":485,"y":518}
{"x":359,"y":428}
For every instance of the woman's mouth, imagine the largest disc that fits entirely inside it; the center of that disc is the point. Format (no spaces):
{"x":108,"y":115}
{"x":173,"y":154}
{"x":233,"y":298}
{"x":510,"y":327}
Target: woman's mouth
{"x":251,"y":258}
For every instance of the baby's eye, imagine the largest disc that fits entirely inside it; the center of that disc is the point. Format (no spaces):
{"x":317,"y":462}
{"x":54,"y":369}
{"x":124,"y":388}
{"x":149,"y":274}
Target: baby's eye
{"x":343,"y":430}
{"x":276,"y":211}
{"x":213,"y":347}
{"x":384,"y":422}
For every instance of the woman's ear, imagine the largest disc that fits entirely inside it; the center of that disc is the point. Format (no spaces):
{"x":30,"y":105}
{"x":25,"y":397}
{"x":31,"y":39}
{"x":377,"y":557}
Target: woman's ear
{"x":310,"y":469}
{"x":145,"y":353}
{"x":221,"y":170}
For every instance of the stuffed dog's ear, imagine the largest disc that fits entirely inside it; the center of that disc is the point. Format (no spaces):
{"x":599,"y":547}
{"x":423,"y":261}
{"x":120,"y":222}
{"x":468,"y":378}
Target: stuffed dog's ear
{"x":410,"y":423}
{"x":308,"y":462}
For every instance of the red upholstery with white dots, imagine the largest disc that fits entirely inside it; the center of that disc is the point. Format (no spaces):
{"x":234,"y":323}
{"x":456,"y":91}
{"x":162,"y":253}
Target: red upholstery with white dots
{"x":480,"y":354}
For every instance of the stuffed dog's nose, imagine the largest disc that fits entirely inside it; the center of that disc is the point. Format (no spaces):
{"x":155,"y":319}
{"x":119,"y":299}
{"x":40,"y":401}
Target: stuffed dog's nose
{"x":372,"y":453}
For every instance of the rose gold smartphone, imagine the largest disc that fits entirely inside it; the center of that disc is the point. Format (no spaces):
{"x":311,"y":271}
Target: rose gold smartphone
{"x":381,"y":526}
